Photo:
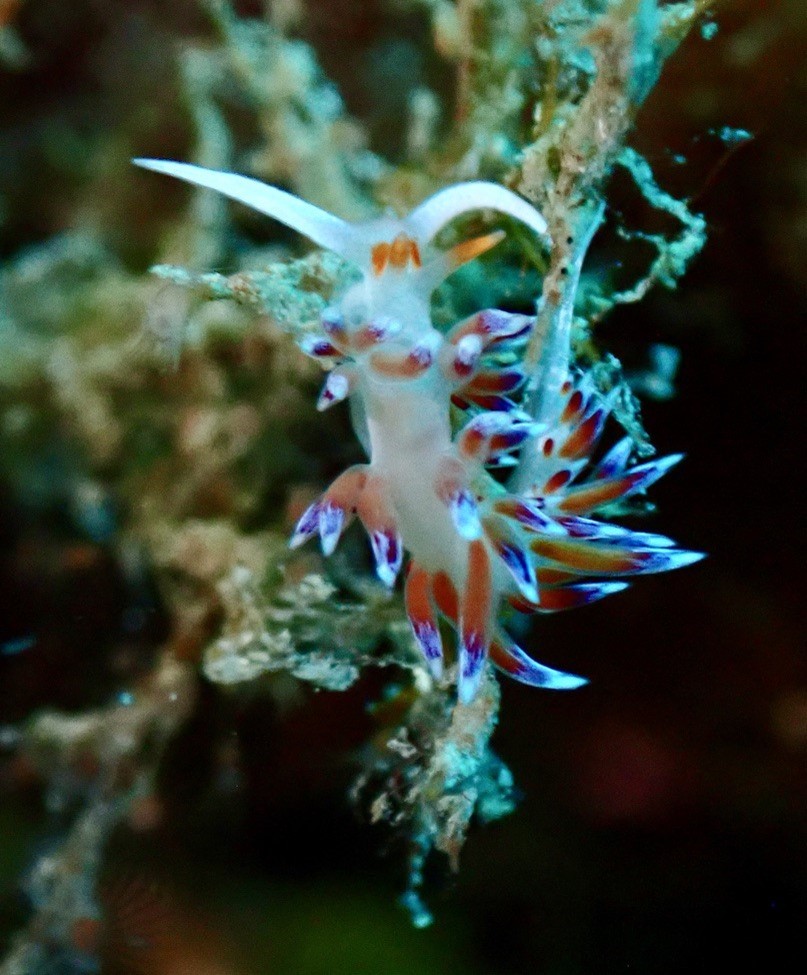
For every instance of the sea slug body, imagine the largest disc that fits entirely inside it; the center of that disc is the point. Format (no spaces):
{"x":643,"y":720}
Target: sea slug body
{"x":475,"y":545}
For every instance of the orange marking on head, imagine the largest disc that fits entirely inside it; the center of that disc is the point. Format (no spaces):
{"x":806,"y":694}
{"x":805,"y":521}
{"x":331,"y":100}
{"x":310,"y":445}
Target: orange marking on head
{"x":467,"y":250}
{"x":380,"y":256}
{"x":399,"y":252}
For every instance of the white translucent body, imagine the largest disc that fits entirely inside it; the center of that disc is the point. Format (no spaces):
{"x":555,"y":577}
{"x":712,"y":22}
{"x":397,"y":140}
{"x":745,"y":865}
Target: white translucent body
{"x":410,"y":437}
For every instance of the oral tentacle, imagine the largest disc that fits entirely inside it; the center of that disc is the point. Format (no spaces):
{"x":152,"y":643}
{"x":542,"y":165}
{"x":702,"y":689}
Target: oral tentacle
{"x":318,"y":225}
{"x":429,"y":217}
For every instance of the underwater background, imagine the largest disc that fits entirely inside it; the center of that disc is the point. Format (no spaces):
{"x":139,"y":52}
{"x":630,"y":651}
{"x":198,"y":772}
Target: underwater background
{"x":157,"y":813}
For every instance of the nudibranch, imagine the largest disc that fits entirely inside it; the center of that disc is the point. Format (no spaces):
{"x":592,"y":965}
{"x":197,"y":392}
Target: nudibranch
{"x":475,"y":545}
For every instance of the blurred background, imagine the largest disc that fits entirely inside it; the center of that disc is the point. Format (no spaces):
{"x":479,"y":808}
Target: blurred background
{"x":662,"y":826}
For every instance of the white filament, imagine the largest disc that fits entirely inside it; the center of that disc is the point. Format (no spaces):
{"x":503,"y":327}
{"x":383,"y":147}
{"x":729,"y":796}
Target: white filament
{"x":318,"y":225}
{"x":429,"y":218}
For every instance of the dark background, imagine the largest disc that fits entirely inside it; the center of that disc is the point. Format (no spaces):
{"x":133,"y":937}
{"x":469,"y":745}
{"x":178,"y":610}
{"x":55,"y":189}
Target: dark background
{"x":662,"y":826}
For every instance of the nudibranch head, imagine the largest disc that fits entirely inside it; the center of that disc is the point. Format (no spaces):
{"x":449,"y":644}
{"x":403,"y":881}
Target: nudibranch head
{"x":394,"y":254}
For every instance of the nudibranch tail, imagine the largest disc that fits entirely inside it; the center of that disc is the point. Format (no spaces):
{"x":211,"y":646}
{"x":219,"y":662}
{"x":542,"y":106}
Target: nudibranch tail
{"x":479,"y":550}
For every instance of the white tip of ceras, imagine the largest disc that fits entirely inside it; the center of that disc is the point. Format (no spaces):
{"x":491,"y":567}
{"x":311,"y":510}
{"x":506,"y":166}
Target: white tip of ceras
{"x":435,"y":665}
{"x":678,"y":559}
{"x":560,"y":681}
{"x":307,"y":526}
{"x":428,"y":638}
{"x":465,"y":515}
{"x":336,"y":388}
{"x":467,"y":352}
{"x":388,"y":552}
{"x":472,"y":657}
{"x":331,"y":523}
